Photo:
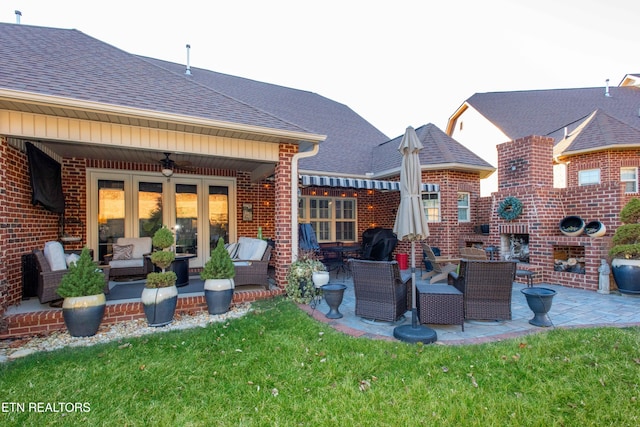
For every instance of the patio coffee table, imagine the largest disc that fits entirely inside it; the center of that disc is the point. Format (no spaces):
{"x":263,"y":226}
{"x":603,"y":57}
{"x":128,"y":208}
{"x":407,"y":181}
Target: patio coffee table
{"x":440,"y":304}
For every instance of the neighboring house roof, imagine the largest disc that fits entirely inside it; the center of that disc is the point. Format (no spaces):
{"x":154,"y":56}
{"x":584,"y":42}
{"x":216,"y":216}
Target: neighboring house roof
{"x":599,"y":131}
{"x":439,"y":151}
{"x":547,"y":112}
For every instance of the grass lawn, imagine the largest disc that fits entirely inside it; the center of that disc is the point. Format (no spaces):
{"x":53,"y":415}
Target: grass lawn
{"x":277,"y":366}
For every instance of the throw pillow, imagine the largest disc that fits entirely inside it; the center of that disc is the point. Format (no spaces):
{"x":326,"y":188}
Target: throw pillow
{"x":122,"y":252}
{"x":72,"y":258}
{"x":232,"y":248}
{"x":54,"y":253}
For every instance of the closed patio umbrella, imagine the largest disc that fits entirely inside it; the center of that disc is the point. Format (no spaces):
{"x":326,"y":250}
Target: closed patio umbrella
{"x":411,"y":224}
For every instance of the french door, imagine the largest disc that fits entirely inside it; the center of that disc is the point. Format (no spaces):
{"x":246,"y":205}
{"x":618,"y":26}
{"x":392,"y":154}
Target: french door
{"x":199,"y":210}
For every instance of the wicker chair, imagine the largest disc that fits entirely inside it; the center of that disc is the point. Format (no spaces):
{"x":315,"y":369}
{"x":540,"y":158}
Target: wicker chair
{"x":487,"y":287}
{"x":253,"y":272}
{"x":381,"y":293}
{"x":48,"y":280}
{"x":139,"y":265}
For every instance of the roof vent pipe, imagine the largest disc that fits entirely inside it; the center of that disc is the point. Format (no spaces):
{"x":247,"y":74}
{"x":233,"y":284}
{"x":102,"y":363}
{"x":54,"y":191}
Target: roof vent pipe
{"x":188,"y":70}
{"x":18,"y":15}
{"x":606,"y":91}
{"x":566,"y":132}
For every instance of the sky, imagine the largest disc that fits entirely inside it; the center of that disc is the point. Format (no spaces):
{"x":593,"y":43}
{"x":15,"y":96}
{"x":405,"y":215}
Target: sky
{"x":396,"y":63}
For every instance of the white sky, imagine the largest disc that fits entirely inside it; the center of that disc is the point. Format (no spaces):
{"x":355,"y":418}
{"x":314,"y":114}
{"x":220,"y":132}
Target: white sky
{"x":396,"y":63}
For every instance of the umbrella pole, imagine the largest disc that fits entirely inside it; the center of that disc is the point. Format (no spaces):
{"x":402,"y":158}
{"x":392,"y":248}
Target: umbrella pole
{"x":414,"y":333}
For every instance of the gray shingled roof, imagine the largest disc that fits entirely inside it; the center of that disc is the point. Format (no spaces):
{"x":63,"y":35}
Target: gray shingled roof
{"x":547,"y":112}
{"x":438,"y":148}
{"x":598,"y":131}
{"x":350,"y":138}
{"x":70,"y":64}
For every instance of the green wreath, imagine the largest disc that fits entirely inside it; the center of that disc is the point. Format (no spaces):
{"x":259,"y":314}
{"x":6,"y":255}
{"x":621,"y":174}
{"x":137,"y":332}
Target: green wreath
{"x":510,"y":208}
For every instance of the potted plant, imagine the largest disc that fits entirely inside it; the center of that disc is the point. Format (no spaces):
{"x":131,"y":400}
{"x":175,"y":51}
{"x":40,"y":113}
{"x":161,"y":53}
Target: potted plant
{"x":82,"y":288}
{"x":160,"y":294}
{"x":300,"y":287}
{"x":625,"y":253}
{"x":218,"y":273}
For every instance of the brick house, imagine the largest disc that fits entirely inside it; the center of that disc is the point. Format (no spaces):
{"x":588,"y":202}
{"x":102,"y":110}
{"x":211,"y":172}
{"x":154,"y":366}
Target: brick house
{"x":570,"y":152}
{"x":109,"y":118}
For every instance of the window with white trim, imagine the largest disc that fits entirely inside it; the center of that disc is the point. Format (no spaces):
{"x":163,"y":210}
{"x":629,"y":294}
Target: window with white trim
{"x":333,"y":219}
{"x":589,"y":177}
{"x":629,"y":177}
{"x":464,"y":208}
{"x":431,"y":205}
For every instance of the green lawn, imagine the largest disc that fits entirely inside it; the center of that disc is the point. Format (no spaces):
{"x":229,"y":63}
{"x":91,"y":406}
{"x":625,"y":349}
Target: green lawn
{"x":277,"y":366}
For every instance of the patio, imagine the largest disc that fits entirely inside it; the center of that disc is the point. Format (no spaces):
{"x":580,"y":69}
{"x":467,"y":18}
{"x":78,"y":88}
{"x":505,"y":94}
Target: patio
{"x":571,"y":308}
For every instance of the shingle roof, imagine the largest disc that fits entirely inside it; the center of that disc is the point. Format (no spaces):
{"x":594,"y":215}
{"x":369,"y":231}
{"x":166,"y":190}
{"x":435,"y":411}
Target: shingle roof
{"x":598,"y":131}
{"x":68,"y":63}
{"x":438,"y":149}
{"x":350,"y":138}
{"x":547,"y":112}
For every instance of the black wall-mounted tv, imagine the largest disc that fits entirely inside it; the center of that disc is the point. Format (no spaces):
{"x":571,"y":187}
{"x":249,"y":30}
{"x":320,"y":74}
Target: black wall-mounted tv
{"x":45,"y":175}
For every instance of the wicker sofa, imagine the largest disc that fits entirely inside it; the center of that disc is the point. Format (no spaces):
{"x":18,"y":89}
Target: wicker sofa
{"x":49,"y":280}
{"x":381,"y":292}
{"x":251,"y":260}
{"x":486,"y":287}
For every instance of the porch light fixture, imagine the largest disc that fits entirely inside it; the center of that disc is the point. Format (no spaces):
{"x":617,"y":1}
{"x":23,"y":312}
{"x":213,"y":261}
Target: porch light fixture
{"x":168,"y":172}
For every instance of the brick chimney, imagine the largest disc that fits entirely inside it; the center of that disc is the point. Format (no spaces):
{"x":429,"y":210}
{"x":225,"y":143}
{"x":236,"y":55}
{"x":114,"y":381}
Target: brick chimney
{"x":525,"y":162}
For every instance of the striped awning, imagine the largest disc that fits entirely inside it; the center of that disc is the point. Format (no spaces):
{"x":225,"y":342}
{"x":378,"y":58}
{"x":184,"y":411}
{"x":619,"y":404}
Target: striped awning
{"x":369,"y":184}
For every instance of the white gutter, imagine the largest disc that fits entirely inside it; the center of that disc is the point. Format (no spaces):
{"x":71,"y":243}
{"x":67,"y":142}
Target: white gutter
{"x":294,"y":197}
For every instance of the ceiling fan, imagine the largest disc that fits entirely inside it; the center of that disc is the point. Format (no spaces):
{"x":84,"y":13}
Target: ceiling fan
{"x":168,"y":165}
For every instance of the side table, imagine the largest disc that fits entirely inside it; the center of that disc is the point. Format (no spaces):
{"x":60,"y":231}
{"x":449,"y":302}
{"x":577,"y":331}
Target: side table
{"x":440,"y":304}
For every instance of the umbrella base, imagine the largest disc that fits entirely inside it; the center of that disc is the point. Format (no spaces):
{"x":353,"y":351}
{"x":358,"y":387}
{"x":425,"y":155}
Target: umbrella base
{"x":415,"y":334}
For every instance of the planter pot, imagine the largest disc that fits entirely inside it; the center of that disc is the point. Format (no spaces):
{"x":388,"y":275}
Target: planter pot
{"x":572,"y":226}
{"x":218,"y":293}
{"x":539,"y":301}
{"x":159,"y":305}
{"x":320,"y":278}
{"x":626,"y":273}
{"x":82,"y":315}
{"x":333,"y":295}
{"x":595,"y":229}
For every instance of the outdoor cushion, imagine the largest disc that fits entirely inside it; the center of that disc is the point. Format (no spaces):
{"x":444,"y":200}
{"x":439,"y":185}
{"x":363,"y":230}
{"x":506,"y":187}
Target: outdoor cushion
{"x":141,"y":245}
{"x":72,"y":258}
{"x":251,"y":249}
{"x":126,"y":263}
{"x":54,"y":253}
{"x":121,"y":252}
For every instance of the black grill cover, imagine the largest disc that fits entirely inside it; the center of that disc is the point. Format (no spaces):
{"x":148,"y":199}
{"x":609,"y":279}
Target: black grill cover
{"x":378,"y":244}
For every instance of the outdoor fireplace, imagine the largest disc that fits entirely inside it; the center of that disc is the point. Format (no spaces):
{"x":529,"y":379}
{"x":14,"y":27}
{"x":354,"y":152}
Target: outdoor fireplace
{"x":515,"y":247}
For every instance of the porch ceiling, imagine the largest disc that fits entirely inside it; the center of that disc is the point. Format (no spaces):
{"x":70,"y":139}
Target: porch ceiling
{"x":147,"y":156}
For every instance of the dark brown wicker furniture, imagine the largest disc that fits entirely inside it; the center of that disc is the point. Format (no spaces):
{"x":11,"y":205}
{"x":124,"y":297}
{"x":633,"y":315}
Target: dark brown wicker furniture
{"x":486,"y":286}
{"x":440,"y":304}
{"x":253,"y":272}
{"x":381,"y":293}
{"x":48,"y":280}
